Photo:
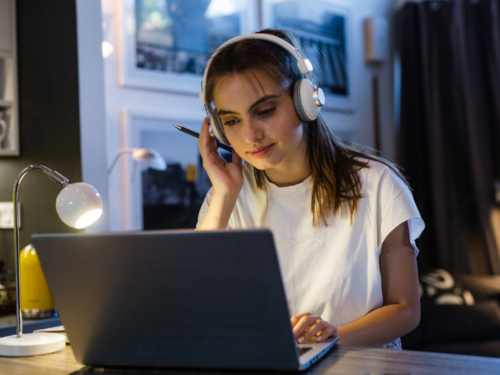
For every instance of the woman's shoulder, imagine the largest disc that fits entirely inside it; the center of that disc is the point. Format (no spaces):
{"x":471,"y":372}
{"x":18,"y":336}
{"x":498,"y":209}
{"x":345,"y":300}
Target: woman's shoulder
{"x":374,"y":169}
{"x":380,"y":176}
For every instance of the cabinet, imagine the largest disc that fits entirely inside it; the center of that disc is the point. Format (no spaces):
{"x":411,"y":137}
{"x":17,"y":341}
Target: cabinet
{"x":9,"y":113}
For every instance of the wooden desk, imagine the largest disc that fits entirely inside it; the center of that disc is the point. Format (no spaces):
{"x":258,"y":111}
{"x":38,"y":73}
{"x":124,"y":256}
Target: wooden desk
{"x":340,"y":360}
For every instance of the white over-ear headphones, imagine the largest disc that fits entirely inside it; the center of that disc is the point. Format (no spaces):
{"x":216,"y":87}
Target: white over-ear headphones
{"x":308,"y":98}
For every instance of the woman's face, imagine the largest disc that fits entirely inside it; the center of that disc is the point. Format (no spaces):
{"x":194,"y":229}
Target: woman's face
{"x":259,"y":120}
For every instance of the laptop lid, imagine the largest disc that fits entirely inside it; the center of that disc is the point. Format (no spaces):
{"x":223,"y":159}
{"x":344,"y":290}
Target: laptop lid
{"x":171,"y":298}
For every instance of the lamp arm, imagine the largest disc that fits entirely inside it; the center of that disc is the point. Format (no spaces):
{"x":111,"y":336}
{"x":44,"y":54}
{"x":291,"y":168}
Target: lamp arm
{"x":57,"y":178}
{"x":118,"y":154}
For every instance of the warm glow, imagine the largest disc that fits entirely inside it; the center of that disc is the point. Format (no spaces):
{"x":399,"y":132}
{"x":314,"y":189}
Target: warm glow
{"x":107,"y":49}
{"x":88,"y":218}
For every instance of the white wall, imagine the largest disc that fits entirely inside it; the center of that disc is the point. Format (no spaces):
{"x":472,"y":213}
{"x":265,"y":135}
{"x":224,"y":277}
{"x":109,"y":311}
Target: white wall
{"x":92,"y":109}
{"x":359,"y":123}
{"x":362,"y":121}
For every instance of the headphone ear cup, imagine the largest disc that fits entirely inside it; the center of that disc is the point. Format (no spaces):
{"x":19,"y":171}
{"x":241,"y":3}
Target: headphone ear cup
{"x":303,"y":100}
{"x":297,"y":101}
{"x":218,"y":129}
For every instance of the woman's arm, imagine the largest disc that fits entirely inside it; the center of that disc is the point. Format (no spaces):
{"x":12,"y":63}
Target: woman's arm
{"x":400,"y":313}
{"x":219,"y":212}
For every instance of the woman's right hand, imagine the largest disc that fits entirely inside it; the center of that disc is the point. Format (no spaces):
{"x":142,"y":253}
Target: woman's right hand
{"x":226,"y":178}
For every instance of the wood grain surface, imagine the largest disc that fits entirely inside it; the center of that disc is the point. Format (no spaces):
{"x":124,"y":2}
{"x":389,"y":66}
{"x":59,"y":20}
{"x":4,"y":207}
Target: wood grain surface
{"x":340,"y":360}
{"x":62,"y":362}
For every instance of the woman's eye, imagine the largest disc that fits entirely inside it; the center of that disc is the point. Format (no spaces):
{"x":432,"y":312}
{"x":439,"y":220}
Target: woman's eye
{"x":230,"y":123}
{"x":267,"y":112}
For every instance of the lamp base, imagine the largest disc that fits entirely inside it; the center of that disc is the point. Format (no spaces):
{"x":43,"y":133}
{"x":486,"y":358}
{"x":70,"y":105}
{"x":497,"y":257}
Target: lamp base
{"x":31,"y":344}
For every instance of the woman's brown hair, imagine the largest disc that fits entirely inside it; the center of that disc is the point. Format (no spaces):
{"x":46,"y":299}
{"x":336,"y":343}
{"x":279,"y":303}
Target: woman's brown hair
{"x":335,"y":166}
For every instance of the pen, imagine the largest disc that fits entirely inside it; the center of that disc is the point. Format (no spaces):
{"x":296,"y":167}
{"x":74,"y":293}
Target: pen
{"x":194,"y":134}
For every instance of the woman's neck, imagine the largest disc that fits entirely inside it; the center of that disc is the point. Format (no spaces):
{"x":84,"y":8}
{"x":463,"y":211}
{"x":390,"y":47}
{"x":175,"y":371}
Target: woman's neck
{"x":293,"y":170}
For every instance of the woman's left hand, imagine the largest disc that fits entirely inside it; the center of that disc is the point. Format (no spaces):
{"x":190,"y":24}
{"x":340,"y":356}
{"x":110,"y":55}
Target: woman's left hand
{"x":305,"y":326}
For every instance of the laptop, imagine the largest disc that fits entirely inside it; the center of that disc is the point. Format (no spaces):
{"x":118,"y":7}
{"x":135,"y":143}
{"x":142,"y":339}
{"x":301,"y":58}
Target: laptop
{"x":174,"y":299}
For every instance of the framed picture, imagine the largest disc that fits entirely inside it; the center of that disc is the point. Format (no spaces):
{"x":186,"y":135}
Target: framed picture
{"x":9,"y":116}
{"x":324,"y":31}
{"x":165,"y":45}
{"x":167,"y":199}
{"x":9,"y":131}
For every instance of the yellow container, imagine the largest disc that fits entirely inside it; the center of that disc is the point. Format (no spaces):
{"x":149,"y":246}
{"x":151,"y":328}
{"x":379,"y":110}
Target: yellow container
{"x":36,"y":300}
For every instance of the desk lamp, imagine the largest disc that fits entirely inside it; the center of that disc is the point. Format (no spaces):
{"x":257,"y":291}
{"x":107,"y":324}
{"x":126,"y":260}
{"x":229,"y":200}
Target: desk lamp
{"x":78,"y":206}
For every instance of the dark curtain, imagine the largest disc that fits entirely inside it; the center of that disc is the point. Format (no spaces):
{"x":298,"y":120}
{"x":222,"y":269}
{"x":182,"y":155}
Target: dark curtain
{"x":449,"y":140}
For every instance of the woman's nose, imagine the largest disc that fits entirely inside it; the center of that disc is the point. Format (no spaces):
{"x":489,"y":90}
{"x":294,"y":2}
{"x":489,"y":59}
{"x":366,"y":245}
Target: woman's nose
{"x":252,"y":130}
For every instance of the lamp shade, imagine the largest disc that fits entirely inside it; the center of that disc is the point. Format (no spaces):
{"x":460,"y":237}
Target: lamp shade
{"x":79,"y":205}
{"x":150,"y":158}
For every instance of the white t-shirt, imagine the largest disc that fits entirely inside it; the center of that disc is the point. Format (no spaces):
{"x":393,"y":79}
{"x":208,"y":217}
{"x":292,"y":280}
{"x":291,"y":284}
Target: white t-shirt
{"x":328,"y":271}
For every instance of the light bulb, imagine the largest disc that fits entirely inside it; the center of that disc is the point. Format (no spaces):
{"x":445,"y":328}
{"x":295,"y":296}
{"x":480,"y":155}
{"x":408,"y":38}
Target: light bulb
{"x":88,"y":218}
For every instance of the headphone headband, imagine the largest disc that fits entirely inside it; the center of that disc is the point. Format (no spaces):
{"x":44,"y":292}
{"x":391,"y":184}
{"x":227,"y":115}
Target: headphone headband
{"x":307,"y":97}
{"x":303,"y":64}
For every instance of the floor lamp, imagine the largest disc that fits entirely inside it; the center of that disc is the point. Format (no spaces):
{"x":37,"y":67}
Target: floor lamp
{"x":149,"y":157}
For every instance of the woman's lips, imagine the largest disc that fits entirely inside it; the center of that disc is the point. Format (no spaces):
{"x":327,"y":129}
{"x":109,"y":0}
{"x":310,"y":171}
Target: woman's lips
{"x":262,"y":152}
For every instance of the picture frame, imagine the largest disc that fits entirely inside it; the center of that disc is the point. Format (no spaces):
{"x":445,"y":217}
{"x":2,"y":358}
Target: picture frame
{"x":171,"y":68}
{"x":9,"y":107}
{"x":325,"y":31}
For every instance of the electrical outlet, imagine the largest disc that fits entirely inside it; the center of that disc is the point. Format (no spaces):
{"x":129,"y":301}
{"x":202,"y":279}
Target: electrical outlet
{"x":6,"y":215}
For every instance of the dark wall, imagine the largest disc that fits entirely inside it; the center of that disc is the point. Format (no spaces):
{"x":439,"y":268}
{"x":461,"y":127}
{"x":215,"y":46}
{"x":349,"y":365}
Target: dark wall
{"x":49,"y":116}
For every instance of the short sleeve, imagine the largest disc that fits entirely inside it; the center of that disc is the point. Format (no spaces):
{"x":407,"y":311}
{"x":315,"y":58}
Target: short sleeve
{"x":398,"y":206}
{"x":204,"y":207}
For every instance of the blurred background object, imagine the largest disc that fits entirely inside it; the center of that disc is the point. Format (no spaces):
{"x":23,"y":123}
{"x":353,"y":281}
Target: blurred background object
{"x":36,"y":300}
{"x":148,"y":157}
{"x":449,"y":136}
{"x":7,"y":292}
{"x":450,"y":128}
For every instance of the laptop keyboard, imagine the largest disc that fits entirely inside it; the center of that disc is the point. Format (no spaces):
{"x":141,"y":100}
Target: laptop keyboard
{"x":303,"y":350}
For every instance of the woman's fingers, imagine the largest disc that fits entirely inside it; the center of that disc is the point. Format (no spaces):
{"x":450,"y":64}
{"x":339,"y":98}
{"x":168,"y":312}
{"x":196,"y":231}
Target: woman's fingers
{"x":305,"y":326}
{"x":295,"y":319}
{"x":226,"y":178}
{"x":315,"y":327}
{"x":304,"y":323}
{"x":206,"y":143}
{"x":202,"y":139}
{"x":208,"y":146}
{"x":330,"y":331}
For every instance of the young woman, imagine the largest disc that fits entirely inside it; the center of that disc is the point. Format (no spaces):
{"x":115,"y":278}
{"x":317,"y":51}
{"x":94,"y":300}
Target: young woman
{"x":344,"y":222}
